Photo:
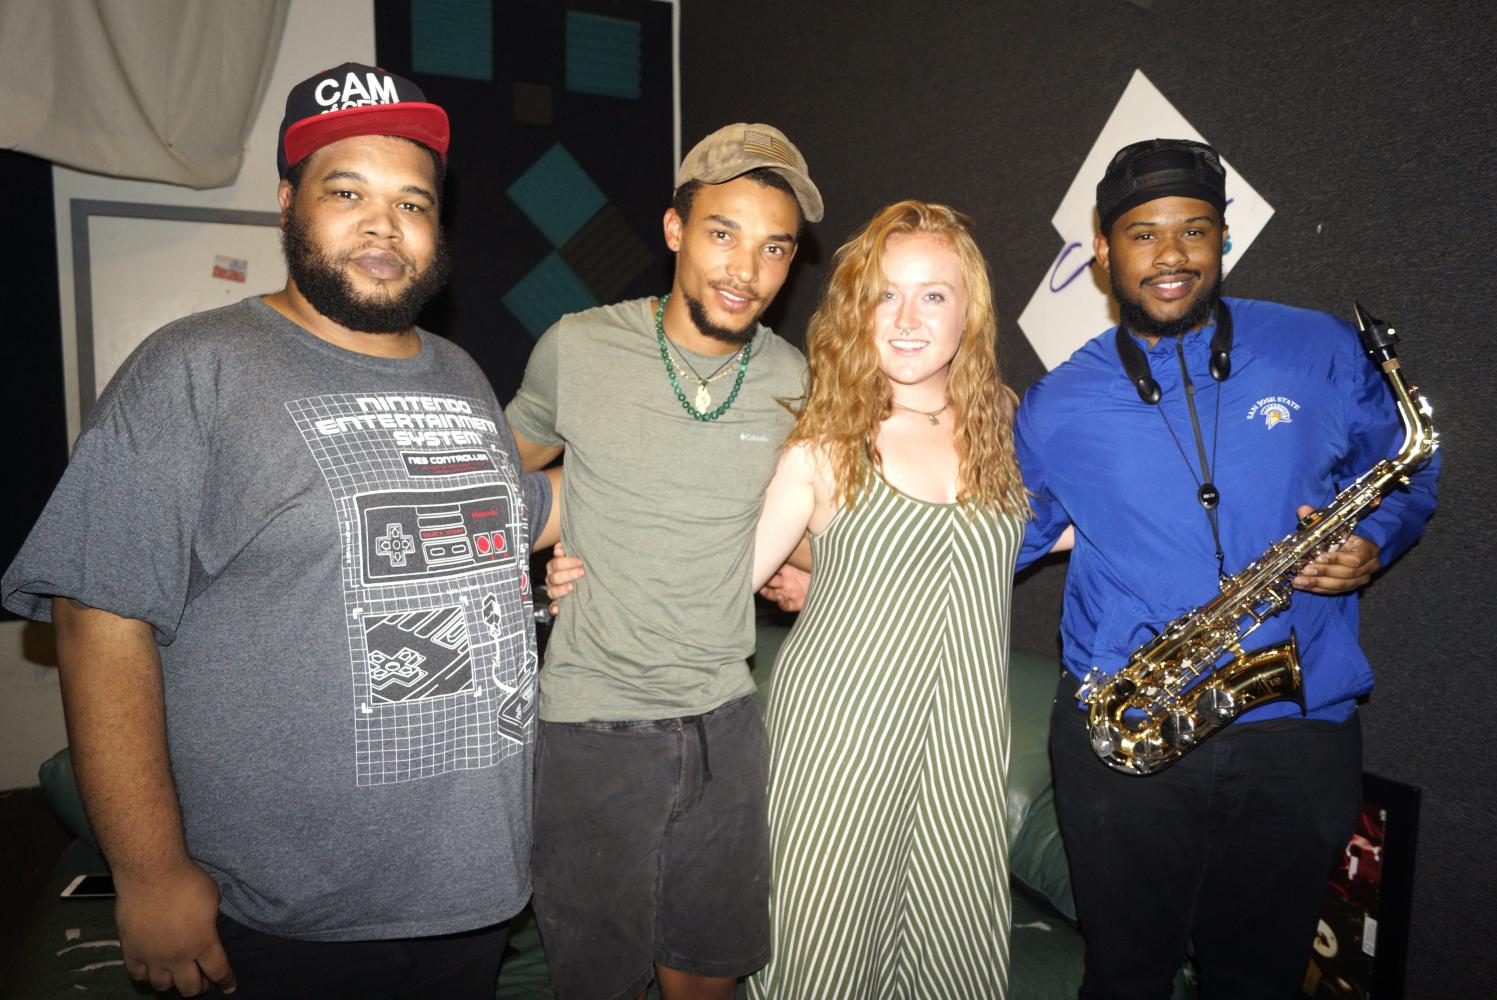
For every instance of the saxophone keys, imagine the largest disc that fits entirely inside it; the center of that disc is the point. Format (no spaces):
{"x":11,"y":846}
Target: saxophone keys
{"x":1090,"y":684}
{"x":1106,"y":739}
{"x":1217,"y":704}
{"x":1149,"y":755}
{"x":1178,"y":729}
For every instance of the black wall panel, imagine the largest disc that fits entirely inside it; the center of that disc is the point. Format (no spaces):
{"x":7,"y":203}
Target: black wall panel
{"x":498,"y":132}
{"x":31,"y":377}
{"x":1369,"y":129}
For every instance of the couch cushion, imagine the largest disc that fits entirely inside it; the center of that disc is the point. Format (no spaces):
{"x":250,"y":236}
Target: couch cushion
{"x":1036,"y":856}
{"x":61,"y":788}
{"x":767,"y":639}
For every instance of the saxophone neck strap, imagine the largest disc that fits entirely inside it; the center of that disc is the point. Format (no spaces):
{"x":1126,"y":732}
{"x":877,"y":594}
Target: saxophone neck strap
{"x":1136,"y":362}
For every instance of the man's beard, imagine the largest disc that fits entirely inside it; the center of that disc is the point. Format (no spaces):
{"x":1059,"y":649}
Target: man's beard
{"x":1139,"y":321}
{"x":726,"y":334}
{"x":325,"y":283}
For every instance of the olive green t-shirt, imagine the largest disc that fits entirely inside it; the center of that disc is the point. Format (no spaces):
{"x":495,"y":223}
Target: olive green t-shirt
{"x":660,"y":507}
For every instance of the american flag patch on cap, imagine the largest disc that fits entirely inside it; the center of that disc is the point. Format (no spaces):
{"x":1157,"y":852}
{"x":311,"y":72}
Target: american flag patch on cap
{"x":770,"y":147}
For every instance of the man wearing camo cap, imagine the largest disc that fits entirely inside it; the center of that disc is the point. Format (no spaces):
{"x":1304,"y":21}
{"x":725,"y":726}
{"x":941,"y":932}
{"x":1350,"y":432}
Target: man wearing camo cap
{"x":651,"y":842}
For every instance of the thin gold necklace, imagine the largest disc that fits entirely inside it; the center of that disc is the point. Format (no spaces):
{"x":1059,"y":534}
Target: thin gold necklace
{"x":703,"y":398}
{"x":670,"y":370}
{"x":931,"y":415}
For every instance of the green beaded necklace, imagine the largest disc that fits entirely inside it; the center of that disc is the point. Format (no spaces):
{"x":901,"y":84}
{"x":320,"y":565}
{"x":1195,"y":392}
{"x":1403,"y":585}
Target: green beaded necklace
{"x":670,"y":369}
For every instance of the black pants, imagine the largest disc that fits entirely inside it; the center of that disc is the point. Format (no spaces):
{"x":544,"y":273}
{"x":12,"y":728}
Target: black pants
{"x":1228,"y":848}
{"x":652,"y":847}
{"x":453,"y":966}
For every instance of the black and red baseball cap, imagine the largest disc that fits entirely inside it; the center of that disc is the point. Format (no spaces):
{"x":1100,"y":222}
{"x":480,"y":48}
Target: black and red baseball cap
{"x":354,"y":99}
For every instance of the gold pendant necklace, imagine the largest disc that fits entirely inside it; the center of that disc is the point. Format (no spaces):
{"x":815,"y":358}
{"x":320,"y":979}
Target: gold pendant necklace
{"x":932,"y":415}
{"x":671,"y":368}
{"x":703,"y":397}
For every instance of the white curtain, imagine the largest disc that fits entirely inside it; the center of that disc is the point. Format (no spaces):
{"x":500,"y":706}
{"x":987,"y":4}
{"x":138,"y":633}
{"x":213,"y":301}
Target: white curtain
{"x":159,"y":90}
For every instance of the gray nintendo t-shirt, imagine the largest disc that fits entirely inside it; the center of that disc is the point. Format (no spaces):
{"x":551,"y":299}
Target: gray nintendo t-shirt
{"x":333,"y":551}
{"x":660,"y":507}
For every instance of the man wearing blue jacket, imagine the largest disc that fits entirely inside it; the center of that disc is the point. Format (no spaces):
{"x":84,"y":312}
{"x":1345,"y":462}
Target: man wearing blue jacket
{"x":1181,"y":446}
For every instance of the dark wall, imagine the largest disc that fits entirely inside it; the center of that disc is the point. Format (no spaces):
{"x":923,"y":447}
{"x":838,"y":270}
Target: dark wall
{"x":31,"y":377}
{"x":1369,"y":129}
{"x":501,"y":127}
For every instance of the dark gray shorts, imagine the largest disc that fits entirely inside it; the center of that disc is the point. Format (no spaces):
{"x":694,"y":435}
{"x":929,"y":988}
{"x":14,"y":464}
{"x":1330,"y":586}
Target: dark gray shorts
{"x":652,"y":846}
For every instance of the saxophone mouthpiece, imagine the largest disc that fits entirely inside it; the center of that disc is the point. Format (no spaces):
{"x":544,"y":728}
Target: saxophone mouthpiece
{"x":1379,"y":339}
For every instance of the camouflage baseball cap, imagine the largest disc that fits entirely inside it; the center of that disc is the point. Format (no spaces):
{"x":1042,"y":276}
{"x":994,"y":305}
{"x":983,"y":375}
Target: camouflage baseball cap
{"x":734,"y":150}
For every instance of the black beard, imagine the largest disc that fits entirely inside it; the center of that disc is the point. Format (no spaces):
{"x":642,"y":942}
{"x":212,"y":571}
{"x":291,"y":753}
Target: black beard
{"x":1136,"y":319}
{"x":726,"y":334}
{"x":325,"y":284}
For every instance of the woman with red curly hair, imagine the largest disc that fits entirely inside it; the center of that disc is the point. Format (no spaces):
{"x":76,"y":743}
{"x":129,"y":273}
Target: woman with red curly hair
{"x":888,"y":717}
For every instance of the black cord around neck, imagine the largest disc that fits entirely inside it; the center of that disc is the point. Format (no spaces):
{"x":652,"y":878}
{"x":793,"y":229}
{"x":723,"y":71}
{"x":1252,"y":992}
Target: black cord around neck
{"x":1136,"y":365}
{"x":1136,"y":362}
{"x":1207,"y":495}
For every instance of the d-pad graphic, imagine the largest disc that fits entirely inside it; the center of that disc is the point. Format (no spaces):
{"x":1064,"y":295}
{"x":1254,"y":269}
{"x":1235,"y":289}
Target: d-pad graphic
{"x":404,"y":666}
{"x":394,"y":544}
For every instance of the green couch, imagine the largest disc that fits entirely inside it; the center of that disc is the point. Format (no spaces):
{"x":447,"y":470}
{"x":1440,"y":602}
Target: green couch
{"x":71,"y":943}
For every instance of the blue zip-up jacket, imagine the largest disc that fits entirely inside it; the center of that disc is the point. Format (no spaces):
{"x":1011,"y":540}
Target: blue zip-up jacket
{"x":1303,"y":413}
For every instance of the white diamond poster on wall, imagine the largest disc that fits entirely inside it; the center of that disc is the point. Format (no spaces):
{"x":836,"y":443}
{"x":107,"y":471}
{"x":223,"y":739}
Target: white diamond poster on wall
{"x":1072,"y":304}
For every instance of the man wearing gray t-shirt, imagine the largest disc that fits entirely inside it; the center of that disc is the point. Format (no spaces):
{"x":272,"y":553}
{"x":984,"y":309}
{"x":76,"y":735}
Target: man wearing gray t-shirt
{"x":287,"y":566}
{"x":651,"y":857}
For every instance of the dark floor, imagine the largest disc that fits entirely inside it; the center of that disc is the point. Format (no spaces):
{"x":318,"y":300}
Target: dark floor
{"x":31,"y":840}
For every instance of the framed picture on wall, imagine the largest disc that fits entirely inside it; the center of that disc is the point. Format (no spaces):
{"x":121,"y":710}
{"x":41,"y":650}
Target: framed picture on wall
{"x":1362,"y":939}
{"x":137,"y":266}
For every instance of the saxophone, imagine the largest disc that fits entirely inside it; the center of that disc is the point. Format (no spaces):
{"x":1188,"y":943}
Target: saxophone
{"x":1171,"y":695}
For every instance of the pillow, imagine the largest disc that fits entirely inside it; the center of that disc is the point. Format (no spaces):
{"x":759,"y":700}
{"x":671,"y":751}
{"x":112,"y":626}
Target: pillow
{"x":61,"y":788}
{"x":1036,"y":856}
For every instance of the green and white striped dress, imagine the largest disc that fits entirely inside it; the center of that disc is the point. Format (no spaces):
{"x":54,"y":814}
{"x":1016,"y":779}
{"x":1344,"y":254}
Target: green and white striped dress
{"x":889,"y":728}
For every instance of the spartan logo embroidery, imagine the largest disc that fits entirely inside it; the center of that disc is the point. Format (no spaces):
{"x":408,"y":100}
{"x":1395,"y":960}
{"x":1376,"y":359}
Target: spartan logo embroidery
{"x":1275,"y":410}
{"x":768,"y":146}
{"x":1275,"y":414}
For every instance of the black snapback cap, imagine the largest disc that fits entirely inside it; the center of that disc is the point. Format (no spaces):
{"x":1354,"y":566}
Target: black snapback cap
{"x":1160,"y":168}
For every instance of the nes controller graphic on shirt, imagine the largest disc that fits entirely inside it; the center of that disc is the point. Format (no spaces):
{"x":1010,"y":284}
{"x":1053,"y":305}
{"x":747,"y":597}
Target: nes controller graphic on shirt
{"x":423,"y":535}
{"x":435,"y":580}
